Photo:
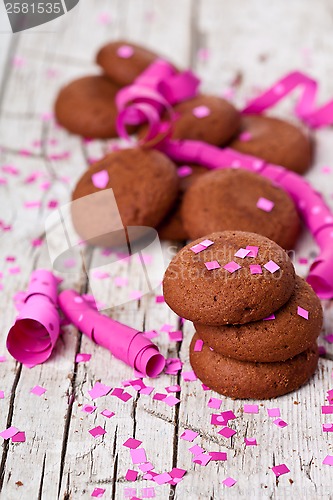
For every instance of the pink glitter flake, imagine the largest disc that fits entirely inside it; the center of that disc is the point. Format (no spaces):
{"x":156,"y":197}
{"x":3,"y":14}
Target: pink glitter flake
{"x":242,"y":253}
{"x":212,"y":265}
{"x":82,"y":357}
{"x":98,"y":492}
{"x":125,"y":51}
{"x":229,"y":481}
{"x":97,"y":431}
{"x":19,"y":438}
{"x":253,"y":251}
{"x":280,"y":423}
{"x":38,"y":390}
{"x":201,"y":111}
{"x":251,"y":409}
{"x":255,"y":269}
{"x":302,"y":312}
{"x":273,"y":412}
{"x":89,"y":408}
{"x":232,"y":266}
{"x":281,"y":469}
{"x":265,"y":204}
{"x":189,"y":435}
{"x":271,"y":266}
{"x":214,"y":403}
{"x":138,"y":456}
{"x":227,"y":432}
{"x":328,"y":460}
{"x":250,"y":441}
{"x":131,"y":475}
{"x":132,"y":443}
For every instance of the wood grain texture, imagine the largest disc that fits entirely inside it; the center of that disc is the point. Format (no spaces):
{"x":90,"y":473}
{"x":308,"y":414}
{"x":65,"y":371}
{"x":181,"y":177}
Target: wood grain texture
{"x":247,"y":46}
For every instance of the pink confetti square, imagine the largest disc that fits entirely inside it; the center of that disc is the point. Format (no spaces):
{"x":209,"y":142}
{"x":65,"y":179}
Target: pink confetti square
{"x":19,"y":438}
{"x":97,"y":431}
{"x":138,"y":456}
{"x":255,"y":269}
{"x":147,"y":390}
{"x":9,"y":433}
{"x":326,"y":410}
{"x":327,"y":427}
{"x":136,"y":295}
{"x":228,"y":415}
{"x":201,"y":111}
{"x":196,"y":450}
{"x":227,"y":432}
{"x":98,"y":492}
{"x":253,"y":250}
{"x":197,"y":248}
{"x":217,"y":419}
{"x":242,"y":253}
{"x":107,"y":413}
{"x":167,"y":328}
{"x":302,"y":312}
{"x":125,"y":51}
{"x":273,"y":412}
{"x":171,"y":400}
{"x":279,"y":470}
{"x":229,"y":481}
{"x":88,"y":408}
{"x":159,"y":396}
{"x":232,"y":266}
{"x":265,"y":204}
{"x":162,"y":478}
{"x":173,"y":388}
{"x":159,"y":299}
{"x":189,"y":376}
{"x":280,"y":423}
{"x":212,"y":265}
{"x":329,"y":338}
{"x":132,"y":443}
{"x":131,"y":475}
{"x":2,"y":395}
{"x":328,"y":460}
{"x":189,"y":435}
{"x":176,"y":336}
{"x":38,"y":390}
{"x":251,"y":409}
{"x":218,"y":456}
{"x":198,"y":345}
{"x":207,"y":243}
{"x":202,"y":459}
{"x":151,"y":334}
{"x":82,"y":357}
{"x":271,"y":266}
{"x":214,"y":403}
{"x":146,"y":467}
{"x":250,"y":441}
{"x":99,"y":390}
{"x":177,"y":473}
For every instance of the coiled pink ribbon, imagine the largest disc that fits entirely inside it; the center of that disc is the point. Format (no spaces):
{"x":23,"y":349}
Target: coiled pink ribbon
{"x":310,"y":204}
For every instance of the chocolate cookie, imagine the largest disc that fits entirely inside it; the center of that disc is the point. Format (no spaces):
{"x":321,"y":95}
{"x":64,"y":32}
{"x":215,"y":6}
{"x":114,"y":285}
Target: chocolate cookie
{"x":123,"y":61}
{"x":144,"y":184}
{"x":243,"y":380}
{"x":235,"y":199}
{"x":87,"y":107}
{"x":172,"y":227}
{"x":198,"y":287}
{"x":204,"y":118}
{"x":278,"y":339}
{"x":275,"y":141}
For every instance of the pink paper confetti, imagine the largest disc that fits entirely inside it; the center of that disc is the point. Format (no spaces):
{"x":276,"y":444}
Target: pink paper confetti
{"x":2,"y":394}
{"x":159,"y":397}
{"x":265,"y":204}
{"x":132,"y":443}
{"x":269,"y":318}
{"x":136,"y":295}
{"x":172,"y":366}
{"x":326,"y":410}
{"x":271,"y":266}
{"x":218,"y":456}
{"x":159,"y":299}
{"x":189,"y":376}
{"x":82,"y":357}
{"x":38,"y":390}
{"x":201,"y":111}
{"x":171,"y":400}
{"x":253,"y":251}
{"x":202,"y":459}
{"x":167,"y":328}
{"x":229,"y":481}
{"x":250,"y":441}
{"x":281,"y":469}
{"x":242,"y":253}
{"x":196,"y":450}
{"x":19,"y":438}
{"x":147,"y":390}
{"x":131,"y":475}
{"x":88,"y":408}
{"x":198,"y":345}
{"x":214,"y":403}
{"x":189,"y":435}
{"x":98,"y":492}
{"x":280,"y":423}
{"x":184,"y":171}
{"x":218,"y":419}
{"x":120,"y":281}
{"x":212,"y":265}
{"x":255,"y":269}
{"x":327,"y":427}
{"x":232,"y":266}
{"x":228,"y":415}
{"x":104,"y":18}
{"x":251,"y":409}
{"x":138,"y":456}
{"x":245,"y":136}
{"x":97,"y":431}
{"x":107,"y":413}
{"x":329,"y":338}
{"x":273,"y":412}
{"x":162,"y":478}
{"x":328,"y":460}
{"x":199,"y":247}
{"x":227,"y":432}
{"x":302,"y":312}
{"x":176,"y":336}
{"x":146,"y":467}
{"x":173,"y":388}
{"x":177,"y":473}
{"x":99,"y":390}
{"x":125,"y":51}
{"x":9,"y":433}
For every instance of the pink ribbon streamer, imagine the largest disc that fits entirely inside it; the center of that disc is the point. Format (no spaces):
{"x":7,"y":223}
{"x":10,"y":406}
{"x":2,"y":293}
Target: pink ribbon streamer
{"x":310,"y":204}
{"x":36,"y":330}
{"x":125,"y":343}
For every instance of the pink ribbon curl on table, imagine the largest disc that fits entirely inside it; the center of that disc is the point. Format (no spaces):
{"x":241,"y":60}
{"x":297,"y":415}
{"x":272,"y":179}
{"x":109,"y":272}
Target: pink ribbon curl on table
{"x":156,"y":90}
{"x":33,"y":336}
{"x":125,"y":343}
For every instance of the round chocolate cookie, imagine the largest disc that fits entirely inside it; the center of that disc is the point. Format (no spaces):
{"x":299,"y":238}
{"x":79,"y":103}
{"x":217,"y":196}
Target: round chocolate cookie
{"x":87,"y":107}
{"x":204,"y":118}
{"x":144,"y":184}
{"x":275,"y":141}
{"x":235,"y":199}
{"x":123,"y":61}
{"x":172,"y":227}
{"x":244,"y":380}
{"x":243,"y":291}
{"x":278,"y":339}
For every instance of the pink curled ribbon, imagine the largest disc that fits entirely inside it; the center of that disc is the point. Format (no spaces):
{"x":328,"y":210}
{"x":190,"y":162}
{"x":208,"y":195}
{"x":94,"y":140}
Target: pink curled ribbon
{"x":155,"y":91}
{"x":305,"y":109}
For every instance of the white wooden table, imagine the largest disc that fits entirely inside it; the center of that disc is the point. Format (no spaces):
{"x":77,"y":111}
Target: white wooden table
{"x":247,"y":45}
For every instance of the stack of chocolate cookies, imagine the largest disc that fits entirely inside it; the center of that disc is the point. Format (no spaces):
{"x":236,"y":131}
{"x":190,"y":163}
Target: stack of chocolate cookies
{"x":256,"y":321}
